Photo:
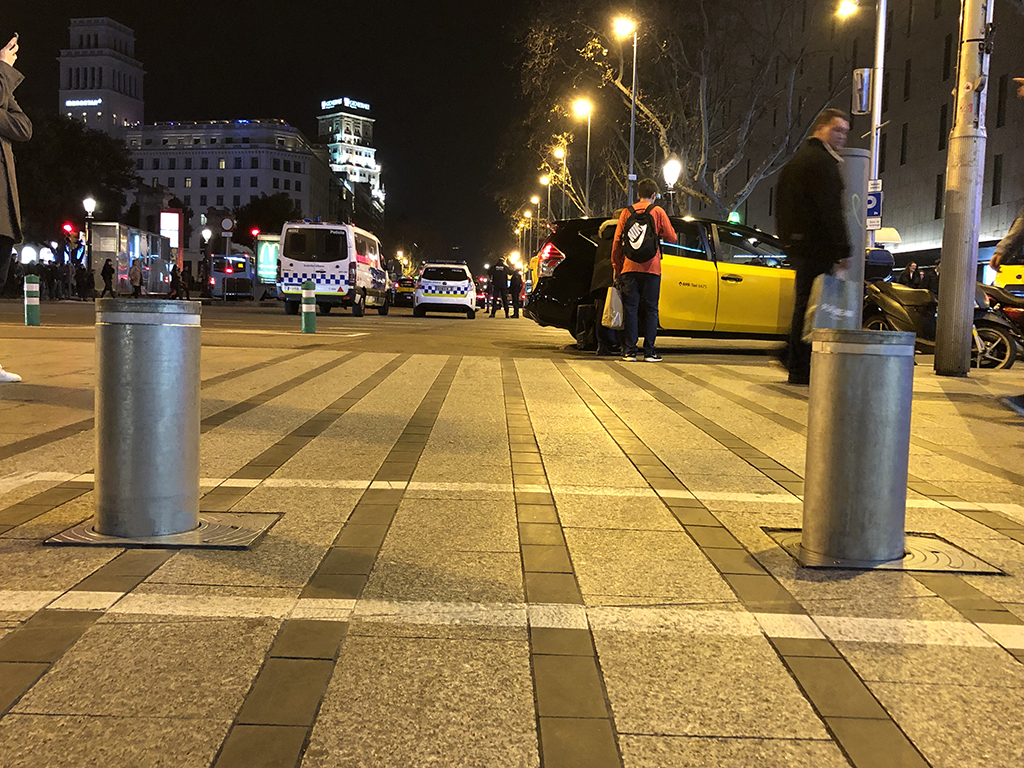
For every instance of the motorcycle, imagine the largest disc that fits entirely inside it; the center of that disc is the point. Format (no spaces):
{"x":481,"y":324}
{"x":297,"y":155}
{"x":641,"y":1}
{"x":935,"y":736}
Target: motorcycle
{"x":895,"y":307}
{"x":1012,"y":306}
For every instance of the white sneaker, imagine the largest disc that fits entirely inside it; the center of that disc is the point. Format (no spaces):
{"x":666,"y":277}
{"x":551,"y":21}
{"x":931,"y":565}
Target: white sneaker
{"x":8,"y":376}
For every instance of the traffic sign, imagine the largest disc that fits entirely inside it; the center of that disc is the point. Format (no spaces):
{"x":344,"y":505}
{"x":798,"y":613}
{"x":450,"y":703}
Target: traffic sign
{"x":875,"y":185}
{"x":227,"y":224}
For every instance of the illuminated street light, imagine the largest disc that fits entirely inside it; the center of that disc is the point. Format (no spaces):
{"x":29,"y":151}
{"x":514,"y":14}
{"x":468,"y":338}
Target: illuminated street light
{"x":527,"y":213}
{"x":89,"y":204}
{"x":583,"y":108}
{"x":623,"y":29}
{"x":671,"y":171}
{"x":535,"y":200}
{"x":559,"y":153}
{"x":847,"y":8}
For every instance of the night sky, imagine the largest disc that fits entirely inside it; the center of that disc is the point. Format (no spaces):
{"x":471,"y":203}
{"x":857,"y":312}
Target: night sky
{"x":440,"y":78}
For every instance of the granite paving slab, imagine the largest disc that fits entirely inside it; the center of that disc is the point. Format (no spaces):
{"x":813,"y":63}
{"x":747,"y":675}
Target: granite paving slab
{"x":477,"y":577}
{"x":934,"y":664}
{"x":701,"y":752}
{"x":270,"y":563}
{"x":28,"y":565}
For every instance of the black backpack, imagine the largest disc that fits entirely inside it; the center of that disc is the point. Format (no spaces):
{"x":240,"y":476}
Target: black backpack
{"x":640,"y":235}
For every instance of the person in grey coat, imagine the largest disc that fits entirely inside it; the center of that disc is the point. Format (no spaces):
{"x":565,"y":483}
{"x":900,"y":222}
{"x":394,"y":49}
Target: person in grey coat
{"x":1011,"y":248}
{"x":14,"y":126}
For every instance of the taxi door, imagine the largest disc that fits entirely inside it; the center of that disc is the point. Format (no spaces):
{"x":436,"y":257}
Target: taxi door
{"x":689,"y":282}
{"x":755,"y":286}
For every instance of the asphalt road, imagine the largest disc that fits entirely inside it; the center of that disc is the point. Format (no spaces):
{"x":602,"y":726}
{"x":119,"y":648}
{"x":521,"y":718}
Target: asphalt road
{"x":248,"y":325}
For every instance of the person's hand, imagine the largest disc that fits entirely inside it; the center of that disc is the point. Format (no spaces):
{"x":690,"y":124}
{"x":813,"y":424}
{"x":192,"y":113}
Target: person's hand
{"x":996,"y":261}
{"x":9,"y":53}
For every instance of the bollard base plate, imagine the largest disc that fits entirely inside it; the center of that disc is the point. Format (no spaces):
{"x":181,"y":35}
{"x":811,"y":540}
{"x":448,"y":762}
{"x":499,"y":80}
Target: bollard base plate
{"x":216,"y":531}
{"x":924,"y":552}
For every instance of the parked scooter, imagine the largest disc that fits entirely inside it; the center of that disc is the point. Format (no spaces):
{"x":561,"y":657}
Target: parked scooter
{"x":895,"y":307}
{"x":1012,"y":306}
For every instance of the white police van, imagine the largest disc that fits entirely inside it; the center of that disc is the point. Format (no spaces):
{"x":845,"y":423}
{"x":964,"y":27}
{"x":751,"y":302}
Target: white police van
{"x":445,"y":286}
{"x":344,"y":261}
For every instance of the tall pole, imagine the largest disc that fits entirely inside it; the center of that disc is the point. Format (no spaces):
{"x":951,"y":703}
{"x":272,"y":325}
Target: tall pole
{"x":878,"y":79}
{"x":631,"y":179}
{"x":586,"y":193}
{"x":549,"y":202}
{"x":565,"y":179}
{"x":965,"y":166}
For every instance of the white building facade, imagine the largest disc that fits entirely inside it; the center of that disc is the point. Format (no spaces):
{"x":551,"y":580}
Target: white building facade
{"x":347,"y":129}
{"x":101,"y":82}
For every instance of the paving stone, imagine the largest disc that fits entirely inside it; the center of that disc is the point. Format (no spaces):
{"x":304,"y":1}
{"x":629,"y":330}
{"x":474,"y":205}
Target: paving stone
{"x":546,"y":559}
{"x":286,"y":692}
{"x":479,"y":577}
{"x":552,"y":588}
{"x":262,"y":746}
{"x":561,"y":642}
{"x":834,"y":688}
{"x":15,"y":679}
{"x":699,"y":752}
{"x":934,"y":664}
{"x":309,"y":639}
{"x":875,"y":743}
{"x":578,"y":743}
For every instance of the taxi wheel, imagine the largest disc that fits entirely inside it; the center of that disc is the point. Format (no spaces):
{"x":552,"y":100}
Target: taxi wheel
{"x":291,"y":307}
{"x":359,"y":305}
{"x":325,"y":309}
{"x":419,"y":312}
{"x":383,"y":308}
{"x":471,"y":314}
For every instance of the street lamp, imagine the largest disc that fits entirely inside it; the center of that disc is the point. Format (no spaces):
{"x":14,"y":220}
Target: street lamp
{"x":583,"y":108}
{"x":89,"y":204}
{"x":846,"y":9}
{"x":560,"y":154}
{"x":623,"y":29}
{"x":546,"y":182}
{"x":671,"y":171}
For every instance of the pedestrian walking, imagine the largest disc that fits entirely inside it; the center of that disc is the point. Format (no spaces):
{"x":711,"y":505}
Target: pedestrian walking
{"x":175,"y":283}
{"x":14,"y":126}
{"x":186,"y":280}
{"x":499,"y":287}
{"x":636,"y":261}
{"x":515,"y":287}
{"x":107,"y":273}
{"x":811,"y":222}
{"x":135,"y":278}
{"x":911,"y":276}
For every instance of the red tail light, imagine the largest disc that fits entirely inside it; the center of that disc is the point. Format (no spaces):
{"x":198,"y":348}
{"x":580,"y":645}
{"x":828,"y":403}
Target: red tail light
{"x":548,"y":258}
{"x":229,"y":270}
{"x":213,"y":281}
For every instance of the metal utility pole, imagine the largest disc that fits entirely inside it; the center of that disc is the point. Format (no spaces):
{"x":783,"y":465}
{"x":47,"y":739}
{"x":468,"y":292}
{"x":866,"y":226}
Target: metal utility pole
{"x":965,"y":170}
{"x":878,"y":79}
{"x":631,"y":178}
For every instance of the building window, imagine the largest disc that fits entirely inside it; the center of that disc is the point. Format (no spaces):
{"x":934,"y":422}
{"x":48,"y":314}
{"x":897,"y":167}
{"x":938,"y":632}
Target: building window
{"x":938,"y":8}
{"x":202,"y":201}
{"x":771,"y":201}
{"x":298,"y":167}
{"x":220,"y":201}
{"x":287,"y":166}
{"x":238,"y":163}
{"x":947,"y":58}
{"x":940,"y":193}
{"x":188,"y":182}
{"x":187,"y":199}
{"x":236,"y":182}
{"x":298,"y":186}
{"x":903,"y":143}
{"x":222,"y":164}
{"x":197,"y":141}
{"x":220,"y":182}
{"x":997,"y":180}
{"x":170,"y":182}
{"x":254,"y":181}
{"x":156,"y":163}
{"x":882,"y":153}
{"x":203,"y":182}
{"x":288,"y":184}
{"x":156,"y":182}
{"x":213,"y":140}
{"x":229,"y":140}
{"x":245,"y":139}
{"x":906,"y":81}
{"x":140,"y":164}
{"x":944,"y":127}
{"x":254,"y":162}
{"x":1001,"y":97}
{"x":277,"y":164}
{"x":885,"y":91}
{"x":172,"y":164}
{"x":204,"y":163}
{"x":236,"y":200}
{"x":188,"y":163}
{"x":277,"y":184}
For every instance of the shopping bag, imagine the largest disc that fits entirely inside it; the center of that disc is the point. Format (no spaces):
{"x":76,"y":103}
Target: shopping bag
{"x":833,"y":305}
{"x":612,"y":317}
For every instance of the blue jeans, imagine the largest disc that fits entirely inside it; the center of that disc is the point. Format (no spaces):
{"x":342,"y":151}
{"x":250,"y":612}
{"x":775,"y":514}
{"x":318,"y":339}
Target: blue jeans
{"x":640,"y":292}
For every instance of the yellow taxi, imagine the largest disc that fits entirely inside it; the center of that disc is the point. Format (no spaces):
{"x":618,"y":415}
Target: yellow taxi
{"x":1010,"y":277}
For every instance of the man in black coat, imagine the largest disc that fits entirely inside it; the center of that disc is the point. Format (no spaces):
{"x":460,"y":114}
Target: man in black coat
{"x":499,"y":287}
{"x":14,"y":126}
{"x":811,"y":222}
{"x":515,"y":289}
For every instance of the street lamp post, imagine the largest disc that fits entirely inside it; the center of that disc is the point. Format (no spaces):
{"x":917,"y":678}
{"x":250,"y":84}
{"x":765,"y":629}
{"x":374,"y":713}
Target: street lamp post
{"x":89,"y":204}
{"x":671,"y":171}
{"x":560,"y":154}
{"x":623,"y":29}
{"x":583,"y":108}
{"x":536,"y":233}
{"x":546,"y":181}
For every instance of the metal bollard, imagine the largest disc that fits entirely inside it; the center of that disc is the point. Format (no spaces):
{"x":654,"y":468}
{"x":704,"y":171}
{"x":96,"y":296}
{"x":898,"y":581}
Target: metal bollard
{"x":147,"y":417}
{"x":858,"y":448}
{"x":32,"y":300}
{"x":309,"y":307}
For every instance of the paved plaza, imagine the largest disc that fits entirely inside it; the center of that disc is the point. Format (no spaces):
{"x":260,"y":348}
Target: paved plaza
{"x":496,"y":552}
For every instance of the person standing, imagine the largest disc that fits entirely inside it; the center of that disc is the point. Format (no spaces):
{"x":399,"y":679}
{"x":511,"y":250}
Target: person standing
{"x":175,"y":283}
{"x":636,"y":261}
{"x":107,"y":273}
{"x":14,"y":126}
{"x":186,"y":280}
{"x":135,"y":278}
{"x":499,"y":287}
{"x":515,"y":287}
{"x":811,"y":222}
{"x":609,"y":341}
{"x":911,"y":276}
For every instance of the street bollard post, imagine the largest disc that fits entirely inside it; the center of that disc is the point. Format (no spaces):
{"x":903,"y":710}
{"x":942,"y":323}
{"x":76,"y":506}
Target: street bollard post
{"x":147,"y":417}
{"x":858,"y":448}
{"x":309,"y":307}
{"x":31,"y":299}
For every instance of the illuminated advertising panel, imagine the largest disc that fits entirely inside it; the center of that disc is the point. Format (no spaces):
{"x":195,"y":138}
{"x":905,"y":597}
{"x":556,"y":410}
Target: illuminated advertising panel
{"x":268,"y":248}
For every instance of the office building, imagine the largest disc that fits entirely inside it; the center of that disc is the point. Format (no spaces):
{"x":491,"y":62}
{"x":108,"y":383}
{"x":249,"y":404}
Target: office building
{"x":347,"y":129}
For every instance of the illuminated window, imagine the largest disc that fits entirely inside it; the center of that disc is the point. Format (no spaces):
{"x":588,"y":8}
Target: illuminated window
{"x":222,"y":164}
{"x":188,"y":182}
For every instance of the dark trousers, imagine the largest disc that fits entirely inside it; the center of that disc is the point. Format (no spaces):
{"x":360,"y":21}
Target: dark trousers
{"x":800,"y":352}
{"x":499,"y":296}
{"x":515,"y":303}
{"x":136,"y":291}
{"x":107,"y":287}
{"x":640,"y":292}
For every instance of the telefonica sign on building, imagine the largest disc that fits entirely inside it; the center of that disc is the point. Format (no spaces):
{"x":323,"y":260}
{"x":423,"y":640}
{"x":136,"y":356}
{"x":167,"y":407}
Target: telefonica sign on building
{"x":346,"y":102}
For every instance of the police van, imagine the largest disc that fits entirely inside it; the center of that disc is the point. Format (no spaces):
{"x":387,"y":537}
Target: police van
{"x":445,"y":286}
{"x":344,"y":262}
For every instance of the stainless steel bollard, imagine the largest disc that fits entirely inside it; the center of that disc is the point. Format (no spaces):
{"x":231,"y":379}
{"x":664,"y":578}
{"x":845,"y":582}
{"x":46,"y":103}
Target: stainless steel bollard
{"x":858,"y":448}
{"x":147,"y":417}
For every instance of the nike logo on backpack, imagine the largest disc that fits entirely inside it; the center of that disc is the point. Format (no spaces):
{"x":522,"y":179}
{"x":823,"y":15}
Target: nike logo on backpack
{"x":636,"y":235}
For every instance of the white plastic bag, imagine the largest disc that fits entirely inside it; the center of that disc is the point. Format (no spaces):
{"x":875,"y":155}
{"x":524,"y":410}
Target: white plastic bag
{"x":612,"y":317}
{"x":833,"y":305}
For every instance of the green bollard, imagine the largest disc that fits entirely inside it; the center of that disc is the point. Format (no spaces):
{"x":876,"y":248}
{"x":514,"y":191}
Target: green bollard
{"x":309,"y":307}
{"x":32,"y":300}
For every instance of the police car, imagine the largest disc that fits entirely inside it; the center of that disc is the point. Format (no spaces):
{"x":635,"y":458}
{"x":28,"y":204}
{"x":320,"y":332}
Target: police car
{"x":445,"y":286}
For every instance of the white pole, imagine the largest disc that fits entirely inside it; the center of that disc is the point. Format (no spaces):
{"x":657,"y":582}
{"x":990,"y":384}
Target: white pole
{"x":876,"y":92}
{"x":632,"y":131}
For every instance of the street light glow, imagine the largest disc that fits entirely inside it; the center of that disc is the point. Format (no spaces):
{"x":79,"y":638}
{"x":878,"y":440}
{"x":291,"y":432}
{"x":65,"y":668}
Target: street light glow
{"x":624,"y":27}
{"x":90,"y":206}
{"x":582,"y":108}
{"x":559,"y":153}
{"x":671,"y":170}
{"x":545,"y":180}
{"x":207,"y":234}
{"x":535,"y":200}
{"x":847,"y":8}
{"x":527,"y":214}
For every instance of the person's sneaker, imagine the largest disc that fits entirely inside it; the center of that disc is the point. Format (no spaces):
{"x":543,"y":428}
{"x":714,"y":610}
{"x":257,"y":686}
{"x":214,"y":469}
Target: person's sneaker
{"x":629,"y":358}
{"x":655,"y":358}
{"x":8,"y":376}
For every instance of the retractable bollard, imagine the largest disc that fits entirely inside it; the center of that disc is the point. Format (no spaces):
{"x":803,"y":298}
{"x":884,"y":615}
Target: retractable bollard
{"x":147,"y":417}
{"x":309,"y":307}
{"x":31,"y":299}
{"x":858,"y":448}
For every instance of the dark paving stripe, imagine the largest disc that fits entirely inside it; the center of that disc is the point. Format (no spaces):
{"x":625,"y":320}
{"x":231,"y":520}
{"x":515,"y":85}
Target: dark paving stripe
{"x":345,"y":569}
{"x":574,"y":719}
{"x":828,"y":680}
{"x":27,"y":653}
{"x":223,"y":498}
{"x":125,"y":572}
{"x":238,"y":373}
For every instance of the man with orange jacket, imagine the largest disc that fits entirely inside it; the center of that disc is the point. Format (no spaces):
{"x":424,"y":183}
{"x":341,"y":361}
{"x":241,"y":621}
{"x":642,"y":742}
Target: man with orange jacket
{"x":636,"y":259}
